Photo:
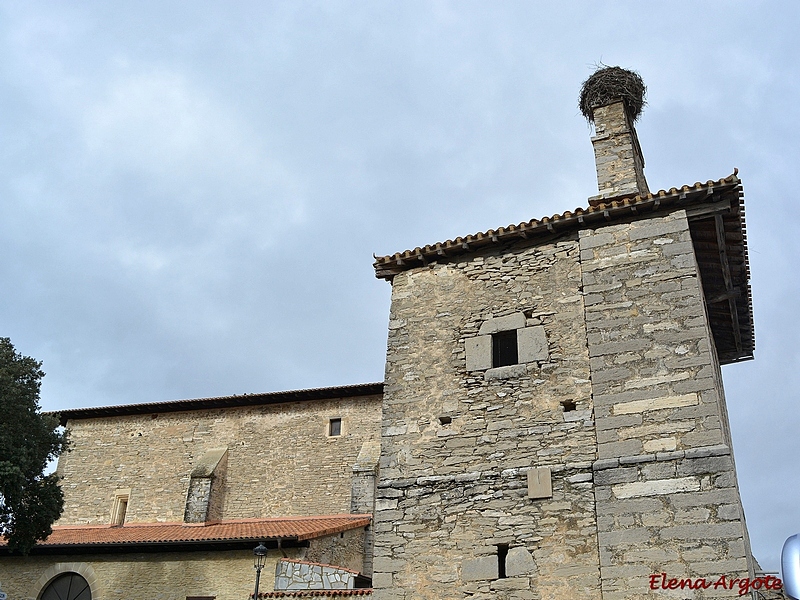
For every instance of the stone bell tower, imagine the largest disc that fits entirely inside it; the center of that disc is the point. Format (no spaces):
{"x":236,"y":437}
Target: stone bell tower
{"x":554,"y":424}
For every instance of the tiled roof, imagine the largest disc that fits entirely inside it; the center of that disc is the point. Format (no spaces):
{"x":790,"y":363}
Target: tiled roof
{"x":315,"y":593}
{"x":297,"y":528}
{"x":387,"y":267}
{"x":343,"y":391}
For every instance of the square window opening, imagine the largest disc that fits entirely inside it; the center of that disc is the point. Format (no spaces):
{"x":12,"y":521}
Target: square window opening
{"x":569,"y":405}
{"x":334,"y":427}
{"x":504,"y":348}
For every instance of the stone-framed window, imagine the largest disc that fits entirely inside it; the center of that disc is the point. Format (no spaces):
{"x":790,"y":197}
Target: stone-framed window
{"x":499,"y":339}
{"x":120,"y":507}
{"x":334,"y":427}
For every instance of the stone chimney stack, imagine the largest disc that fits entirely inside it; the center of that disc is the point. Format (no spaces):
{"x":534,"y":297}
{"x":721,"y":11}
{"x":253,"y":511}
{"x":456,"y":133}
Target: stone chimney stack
{"x":612,"y":99}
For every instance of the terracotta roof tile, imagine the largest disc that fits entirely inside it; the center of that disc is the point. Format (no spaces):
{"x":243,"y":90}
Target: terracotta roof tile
{"x":299,"y":528}
{"x":386,"y":267}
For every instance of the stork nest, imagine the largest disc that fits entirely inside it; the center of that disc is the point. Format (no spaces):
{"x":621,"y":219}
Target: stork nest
{"x":611,"y":84}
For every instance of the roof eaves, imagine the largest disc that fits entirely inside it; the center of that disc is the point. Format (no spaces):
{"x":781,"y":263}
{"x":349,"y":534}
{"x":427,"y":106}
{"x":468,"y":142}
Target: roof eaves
{"x":346,"y":391}
{"x":386,"y":267}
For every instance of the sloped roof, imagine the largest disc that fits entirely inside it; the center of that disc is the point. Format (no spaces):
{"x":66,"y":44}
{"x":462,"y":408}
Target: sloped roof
{"x":255,"y":530}
{"x":343,"y":391}
{"x":600,"y":214}
{"x":716,"y":217}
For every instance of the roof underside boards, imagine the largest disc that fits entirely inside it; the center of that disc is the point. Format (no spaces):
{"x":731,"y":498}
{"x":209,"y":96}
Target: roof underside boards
{"x":716,"y":212}
{"x":344,"y":391}
{"x":720,"y":245}
{"x":255,"y":530}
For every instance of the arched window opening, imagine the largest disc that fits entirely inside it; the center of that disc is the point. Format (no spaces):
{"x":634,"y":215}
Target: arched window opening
{"x":67,"y":586}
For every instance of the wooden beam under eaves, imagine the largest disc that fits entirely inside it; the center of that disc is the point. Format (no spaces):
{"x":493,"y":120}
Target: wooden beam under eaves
{"x":726,"y":276}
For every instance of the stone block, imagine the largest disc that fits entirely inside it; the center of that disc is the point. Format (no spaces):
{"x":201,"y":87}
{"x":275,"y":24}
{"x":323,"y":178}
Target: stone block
{"x":506,"y":323}
{"x":617,"y":475}
{"x":519,"y":562}
{"x":651,"y":404}
{"x":540,"y":483}
{"x":711,"y":464}
{"x":658,"y":227}
{"x":666,"y":444}
{"x":624,"y":537}
{"x":617,"y":449}
{"x":659,"y":470}
{"x":509,"y":372}
{"x":479,"y":569}
{"x":705,"y":498}
{"x":479,"y":352}
{"x":718,"y":450}
{"x":605,"y":463}
{"x":635,"y":460}
{"x":702,"y":531}
{"x":532,"y":344}
{"x":729,"y":512}
{"x":656,"y":487}
{"x":589,"y":239}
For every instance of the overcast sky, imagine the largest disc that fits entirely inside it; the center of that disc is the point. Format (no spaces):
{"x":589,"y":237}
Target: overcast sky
{"x":191,"y":193}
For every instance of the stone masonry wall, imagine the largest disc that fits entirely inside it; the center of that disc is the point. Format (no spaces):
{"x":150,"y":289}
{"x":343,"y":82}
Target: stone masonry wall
{"x":667,"y":498}
{"x":618,"y":157}
{"x":228,"y":575}
{"x":280,"y":462}
{"x":344,"y":549}
{"x":457,"y":444}
{"x":304,"y":575}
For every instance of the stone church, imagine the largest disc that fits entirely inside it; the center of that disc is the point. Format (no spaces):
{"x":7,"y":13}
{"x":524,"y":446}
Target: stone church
{"x":552,"y":425}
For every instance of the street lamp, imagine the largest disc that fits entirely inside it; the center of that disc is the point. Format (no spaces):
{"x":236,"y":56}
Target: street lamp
{"x":259,"y":558}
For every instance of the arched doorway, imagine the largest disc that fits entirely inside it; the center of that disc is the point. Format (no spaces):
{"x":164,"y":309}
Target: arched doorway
{"x":67,"y":586}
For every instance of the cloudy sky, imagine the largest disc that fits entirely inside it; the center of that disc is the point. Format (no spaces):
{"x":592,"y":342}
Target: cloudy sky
{"x":191,"y":193}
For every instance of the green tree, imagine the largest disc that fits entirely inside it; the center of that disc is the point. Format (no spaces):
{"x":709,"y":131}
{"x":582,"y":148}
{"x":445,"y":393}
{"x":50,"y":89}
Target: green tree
{"x":29,"y":500}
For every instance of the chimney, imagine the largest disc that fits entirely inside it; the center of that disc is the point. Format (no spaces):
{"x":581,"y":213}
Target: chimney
{"x":612,"y":99}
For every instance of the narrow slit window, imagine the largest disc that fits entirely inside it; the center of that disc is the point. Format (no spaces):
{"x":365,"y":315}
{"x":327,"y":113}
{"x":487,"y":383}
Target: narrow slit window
{"x":504,"y":348}
{"x":119,"y":510}
{"x":335,"y":427}
{"x":502,"y":553}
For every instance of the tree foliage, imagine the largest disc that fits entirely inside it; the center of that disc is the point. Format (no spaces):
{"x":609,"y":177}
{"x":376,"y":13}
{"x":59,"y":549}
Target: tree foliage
{"x":29,"y":500}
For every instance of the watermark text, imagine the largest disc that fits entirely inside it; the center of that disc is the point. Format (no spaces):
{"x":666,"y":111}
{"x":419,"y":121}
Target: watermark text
{"x":661,"y":581}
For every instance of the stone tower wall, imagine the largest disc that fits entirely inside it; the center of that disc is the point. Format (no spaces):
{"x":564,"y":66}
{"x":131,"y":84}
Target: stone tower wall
{"x":665,"y":483}
{"x":280,"y":461}
{"x":641,"y":470}
{"x":450,"y":493}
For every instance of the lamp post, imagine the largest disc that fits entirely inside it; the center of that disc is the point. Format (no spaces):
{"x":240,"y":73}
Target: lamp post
{"x":259,"y":558}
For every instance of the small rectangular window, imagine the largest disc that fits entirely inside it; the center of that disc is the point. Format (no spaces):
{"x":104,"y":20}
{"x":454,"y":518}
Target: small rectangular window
{"x":335,"y":427}
{"x":119,"y":509}
{"x":504,"y":348}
